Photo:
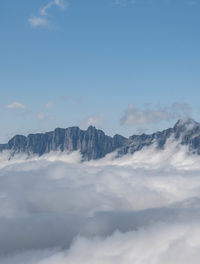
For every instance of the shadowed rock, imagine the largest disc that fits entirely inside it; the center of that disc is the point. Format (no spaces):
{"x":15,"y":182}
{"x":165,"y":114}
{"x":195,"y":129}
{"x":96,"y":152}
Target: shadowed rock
{"x":94,"y":144}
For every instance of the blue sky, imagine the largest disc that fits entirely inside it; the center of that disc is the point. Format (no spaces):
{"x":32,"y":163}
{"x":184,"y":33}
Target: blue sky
{"x":123,"y":66}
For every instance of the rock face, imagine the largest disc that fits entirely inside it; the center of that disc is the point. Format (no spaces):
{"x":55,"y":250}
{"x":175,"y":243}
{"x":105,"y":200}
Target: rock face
{"x":185,"y":132}
{"x":94,"y":144}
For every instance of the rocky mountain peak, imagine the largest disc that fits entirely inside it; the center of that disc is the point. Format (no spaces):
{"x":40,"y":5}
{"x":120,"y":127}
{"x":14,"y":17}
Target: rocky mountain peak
{"x":94,"y":143}
{"x":186,"y":123}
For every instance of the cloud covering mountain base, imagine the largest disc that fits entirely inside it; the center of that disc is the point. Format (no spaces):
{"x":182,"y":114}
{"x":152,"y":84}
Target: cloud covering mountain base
{"x":142,"y":208}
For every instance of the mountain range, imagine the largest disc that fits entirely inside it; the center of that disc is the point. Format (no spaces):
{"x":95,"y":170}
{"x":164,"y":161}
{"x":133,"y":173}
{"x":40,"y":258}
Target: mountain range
{"x":94,"y":144}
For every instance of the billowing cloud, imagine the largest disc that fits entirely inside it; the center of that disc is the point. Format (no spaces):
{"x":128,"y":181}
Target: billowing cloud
{"x":16,"y":105}
{"x":134,"y":116}
{"x":41,"y":19}
{"x":157,"y":244}
{"x":141,"y":208}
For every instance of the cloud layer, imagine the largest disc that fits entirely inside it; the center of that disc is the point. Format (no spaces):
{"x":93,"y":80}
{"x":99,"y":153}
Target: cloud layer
{"x":141,"y":208}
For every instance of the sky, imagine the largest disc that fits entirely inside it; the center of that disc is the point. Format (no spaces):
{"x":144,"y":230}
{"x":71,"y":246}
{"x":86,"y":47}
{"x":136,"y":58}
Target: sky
{"x":123,"y":66}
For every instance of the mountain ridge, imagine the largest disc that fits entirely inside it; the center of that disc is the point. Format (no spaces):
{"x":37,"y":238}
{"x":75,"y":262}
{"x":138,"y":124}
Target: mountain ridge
{"x":94,"y":143}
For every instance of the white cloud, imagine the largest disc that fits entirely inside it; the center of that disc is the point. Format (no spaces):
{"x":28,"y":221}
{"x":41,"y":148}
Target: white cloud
{"x":55,"y":209}
{"x":157,"y":244}
{"x":41,"y":19}
{"x":59,"y":3}
{"x":135,"y":116}
{"x":38,"y":21}
{"x":16,"y":105}
{"x":96,"y":121}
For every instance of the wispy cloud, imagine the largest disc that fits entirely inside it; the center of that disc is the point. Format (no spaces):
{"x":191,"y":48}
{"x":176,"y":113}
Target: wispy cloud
{"x":48,"y":105}
{"x":44,"y":117}
{"x":38,"y":21}
{"x":59,"y":3}
{"x":16,"y":105}
{"x":96,"y":121}
{"x":41,"y":18}
{"x":148,"y":115}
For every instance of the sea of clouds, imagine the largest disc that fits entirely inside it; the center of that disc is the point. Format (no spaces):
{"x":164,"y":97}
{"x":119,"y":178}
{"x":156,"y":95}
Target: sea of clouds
{"x":141,"y":208}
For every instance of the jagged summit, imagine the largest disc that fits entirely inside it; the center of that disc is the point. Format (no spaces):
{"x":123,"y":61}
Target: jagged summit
{"x":94,"y":144}
{"x":187,"y":122}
